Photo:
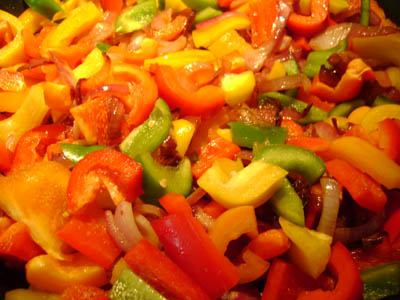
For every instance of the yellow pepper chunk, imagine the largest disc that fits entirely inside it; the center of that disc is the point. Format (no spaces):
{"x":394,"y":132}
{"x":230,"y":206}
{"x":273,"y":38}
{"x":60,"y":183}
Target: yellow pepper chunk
{"x":12,"y":53}
{"x":117,"y":270}
{"x":252,"y":185}
{"x":79,"y":21}
{"x":278,"y":70}
{"x":57,"y":96}
{"x":182,"y":133}
{"x":394,"y":76}
{"x":310,"y":250}
{"x":93,"y":63}
{"x":51,"y":275}
{"x":378,"y":114}
{"x":176,"y":5}
{"x":368,"y":159}
{"x":205,"y":37}
{"x":181,"y":58}
{"x":238,"y":87}
{"x":12,"y":101}
{"x":229,"y":42}
{"x":226,"y":133}
{"x":358,"y":114}
{"x":31,"y":20}
{"x":23,"y":294}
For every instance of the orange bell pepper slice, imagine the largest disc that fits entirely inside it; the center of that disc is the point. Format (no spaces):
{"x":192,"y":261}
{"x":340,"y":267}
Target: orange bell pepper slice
{"x":389,"y":133}
{"x":6,"y":158}
{"x":11,"y":81}
{"x":270,"y":244}
{"x":112,"y":5}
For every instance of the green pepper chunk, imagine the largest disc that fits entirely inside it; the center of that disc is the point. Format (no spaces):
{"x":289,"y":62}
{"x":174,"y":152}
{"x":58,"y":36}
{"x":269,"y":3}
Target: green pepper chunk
{"x":130,"y":286}
{"x":364,"y":18}
{"x":206,"y":13}
{"x":246,"y":135}
{"x":292,"y":158}
{"x":149,"y":135}
{"x":136,"y":17}
{"x":382,"y":100}
{"x":291,"y":68}
{"x":345,"y":108}
{"x":76,"y":152}
{"x":46,"y":8}
{"x":381,"y":281}
{"x":314,"y":115}
{"x":316,"y":59}
{"x":159,"y":180}
{"x":103,"y":47}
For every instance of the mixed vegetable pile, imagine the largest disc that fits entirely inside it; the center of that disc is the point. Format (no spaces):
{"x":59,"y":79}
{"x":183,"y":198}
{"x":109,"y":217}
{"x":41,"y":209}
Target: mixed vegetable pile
{"x":201,"y":149}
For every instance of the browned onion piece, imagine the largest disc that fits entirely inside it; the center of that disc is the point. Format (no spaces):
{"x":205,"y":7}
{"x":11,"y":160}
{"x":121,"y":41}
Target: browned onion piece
{"x":65,"y":71}
{"x":196,"y":196}
{"x":358,"y":30}
{"x":326,"y":131}
{"x":284,"y":83}
{"x":115,"y":112}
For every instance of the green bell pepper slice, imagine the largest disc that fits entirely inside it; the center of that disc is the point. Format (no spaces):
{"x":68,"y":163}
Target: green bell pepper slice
{"x":381,"y":281}
{"x":159,"y":180}
{"x":46,"y":8}
{"x":316,"y":59}
{"x":246,"y":135}
{"x":364,"y":18}
{"x":293,"y":159}
{"x":291,"y":68}
{"x":206,"y":13}
{"x":136,"y":17}
{"x":103,"y":47}
{"x":314,"y":115}
{"x":149,"y":135}
{"x":130,"y":286}
{"x":382,"y":100}
{"x":76,"y":152}
{"x":345,"y":108}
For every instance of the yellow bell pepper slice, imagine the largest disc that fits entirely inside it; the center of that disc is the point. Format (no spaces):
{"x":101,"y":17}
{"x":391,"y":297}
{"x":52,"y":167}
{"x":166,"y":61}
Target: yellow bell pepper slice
{"x":229,"y":42}
{"x":31,"y":20}
{"x":182,"y":132}
{"x":117,"y":270}
{"x":232,"y":224}
{"x":181,"y":58}
{"x":358,"y":114}
{"x":252,"y":185}
{"x":394,"y":76}
{"x":28,"y":116}
{"x":205,"y":37}
{"x":176,"y":5}
{"x":226,"y":133}
{"x":23,"y":294}
{"x":368,"y":159}
{"x":57,"y":96}
{"x":12,"y":53}
{"x":46,"y":273}
{"x":79,"y":21}
{"x":310,"y":250}
{"x":93,"y":63}
{"x":238,"y":87}
{"x":278,"y":70}
{"x":12,"y":101}
{"x":378,"y":114}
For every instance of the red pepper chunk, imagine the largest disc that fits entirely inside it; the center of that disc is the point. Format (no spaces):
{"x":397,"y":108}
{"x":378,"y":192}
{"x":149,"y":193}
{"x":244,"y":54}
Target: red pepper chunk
{"x":121,"y":175}
{"x":193,"y":251}
{"x":389,"y":141}
{"x":186,"y":98}
{"x":349,"y":285}
{"x":83,"y":292}
{"x":112,"y":5}
{"x":6,"y":158}
{"x":148,"y":262}
{"x":349,"y":86}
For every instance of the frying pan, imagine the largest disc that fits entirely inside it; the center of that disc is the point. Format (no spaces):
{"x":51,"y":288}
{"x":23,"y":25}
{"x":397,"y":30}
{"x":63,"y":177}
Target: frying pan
{"x":12,"y":278}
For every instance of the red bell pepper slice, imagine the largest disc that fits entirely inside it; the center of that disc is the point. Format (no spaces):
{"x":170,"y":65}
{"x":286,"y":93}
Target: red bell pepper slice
{"x":112,"y":5}
{"x":6,"y":158}
{"x":153,"y":266}
{"x":192,"y":250}
{"x":33,"y":144}
{"x":310,"y":25}
{"x":349,"y":285}
{"x":263,"y":16}
{"x":83,"y":292}
{"x":16,"y":242}
{"x":364,"y":190}
{"x":392,"y":224}
{"x":88,"y":234}
{"x":180,"y":94}
{"x":121,"y":175}
{"x":389,"y":141}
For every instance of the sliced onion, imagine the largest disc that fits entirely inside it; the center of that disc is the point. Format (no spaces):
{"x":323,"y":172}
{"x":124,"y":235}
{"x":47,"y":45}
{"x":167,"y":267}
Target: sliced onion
{"x":209,"y":22}
{"x":331,"y":36}
{"x":326,"y":131}
{"x":283,"y":83}
{"x":65,"y":71}
{"x":197,"y":194}
{"x":115,"y":232}
{"x":125,"y":221}
{"x":149,"y":209}
{"x":147,"y":230}
{"x":330,"y":206}
{"x":255,"y":58}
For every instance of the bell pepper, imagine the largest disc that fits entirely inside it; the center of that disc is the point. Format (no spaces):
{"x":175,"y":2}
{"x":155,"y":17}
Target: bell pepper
{"x":310,"y":250}
{"x":204,"y":37}
{"x":206,"y":14}
{"x":82,"y":291}
{"x":377,"y":114}
{"x":381,"y":281}
{"x":357,"y":115}
{"x":392,"y":225}
{"x":188,"y":245}
{"x":149,"y":135}
{"x":381,"y":100}
{"x":293,"y":159}
{"x":47,"y":8}
{"x":21,"y":193}
{"x":367,"y":159}
{"x":12,"y":101}
{"x":314,"y":115}
{"x":312,"y":24}
{"x":120,"y":174}
{"x":349,"y":86}
{"x":13,"y":52}
{"x":11,"y":81}
{"x":75,"y":152}
{"x":151,"y":264}
{"x":87,"y":233}
{"x":365,"y":7}
{"x":316,"y":59}
{"x":129,"y":285}
{"x":183,"y":131}
{"x":349,"y":285}
{"x":238,"y":88}
{"x":246,"y":135}
{"x":231,"y":186}
{"x":112,"y":5}
{"x":198,"y":5}
{"x":57,"y":96}
{"x":6,"y":158}
{"x":46,"y":273}
{"x":335,"y":6}
{"x":362,"y":188}
{"x":227,"y":43}
{"x":93,"y":63}
{"x":32,"y":145}
{"x":176,"y":5}
{"x":252,"y":267}
{"x":207,"y":98}
{"x":31,"y":20}
{"x":20,"y":294}
{"x":345,"y":108}
{"x":136,"y":17}
{"x":270,"y":243}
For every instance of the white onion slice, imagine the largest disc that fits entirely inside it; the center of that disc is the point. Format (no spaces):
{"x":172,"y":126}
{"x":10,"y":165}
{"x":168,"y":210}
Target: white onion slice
{"x":330,"y":206}
{"x":125,"y":221}
{"x":330,"y":37}
{"x":115,"y":232}
{"x":147,"y":230}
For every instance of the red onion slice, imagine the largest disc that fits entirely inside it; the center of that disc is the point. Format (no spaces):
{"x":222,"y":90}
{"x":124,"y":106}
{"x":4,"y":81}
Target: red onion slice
{"x":125,"y":221}
{"x":115,"y":232}
{"x":330,"y":206}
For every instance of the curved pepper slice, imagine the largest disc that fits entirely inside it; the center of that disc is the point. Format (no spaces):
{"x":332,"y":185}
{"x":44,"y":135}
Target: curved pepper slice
{"x":349,"y":86}
{"x":76,"y":152}
{"x":207,"y":98}
{"x":47,"y":8}
{"x":136,"y":17}
{"x":379,"y":113}
{"x":121,"y":175}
